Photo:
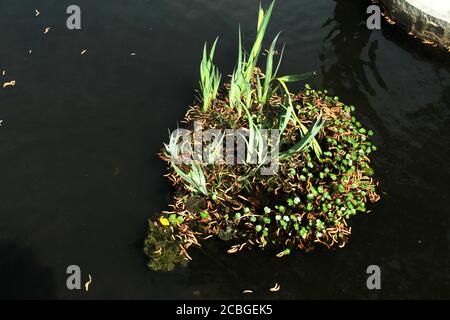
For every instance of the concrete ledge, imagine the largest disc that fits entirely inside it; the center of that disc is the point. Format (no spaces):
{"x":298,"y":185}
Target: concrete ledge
{"x":426,"y":19}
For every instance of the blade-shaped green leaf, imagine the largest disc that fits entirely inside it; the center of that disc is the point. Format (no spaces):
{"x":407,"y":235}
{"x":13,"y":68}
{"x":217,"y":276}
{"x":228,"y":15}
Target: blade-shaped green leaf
{"x":306,"y":139}
{"x":296,"y":77}
{"x":254,"y":53}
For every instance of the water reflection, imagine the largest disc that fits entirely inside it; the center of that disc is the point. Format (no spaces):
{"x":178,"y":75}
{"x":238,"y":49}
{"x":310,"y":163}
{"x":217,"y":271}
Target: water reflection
{"x":349,"y":39}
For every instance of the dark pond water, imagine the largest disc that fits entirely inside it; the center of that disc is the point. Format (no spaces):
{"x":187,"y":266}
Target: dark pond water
{"x":79,"y":175}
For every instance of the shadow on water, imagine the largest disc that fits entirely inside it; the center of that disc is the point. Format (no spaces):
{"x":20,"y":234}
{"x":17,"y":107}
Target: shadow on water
{"x":23,"y":275}
{"x":402,"y":91}
{"x":354,"y":56}
{"x":349,"y":37}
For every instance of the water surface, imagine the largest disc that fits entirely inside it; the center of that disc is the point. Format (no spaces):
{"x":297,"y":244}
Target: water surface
{"x":80,"y":178}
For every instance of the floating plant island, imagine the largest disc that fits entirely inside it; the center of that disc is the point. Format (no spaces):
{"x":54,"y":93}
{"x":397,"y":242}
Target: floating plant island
{"x":299,"y":195}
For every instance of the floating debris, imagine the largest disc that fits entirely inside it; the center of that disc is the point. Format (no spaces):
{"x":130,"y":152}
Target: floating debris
{"x":284,"y":253}
{"x":4,"y":72}
{"x":46,"y":30}
{"x":133,"y":54}
{"x":428,"y":42}
{"x":36,"y":12}
{"x":233,"y":249}
{"x":275,"y":288}
{"x":86,"y":285}
{"x":247,"y":291}
{"x":83,"y":52}
{"x":9,"y":84}
{"x":388,"y":19}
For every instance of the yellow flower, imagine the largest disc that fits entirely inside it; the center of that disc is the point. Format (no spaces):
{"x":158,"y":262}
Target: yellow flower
{"x":164,"y":221}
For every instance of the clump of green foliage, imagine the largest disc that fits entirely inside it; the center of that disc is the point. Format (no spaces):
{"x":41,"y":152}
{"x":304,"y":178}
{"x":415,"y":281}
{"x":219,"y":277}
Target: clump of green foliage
{"x":324,"y":175}
{"x":163,"y":251}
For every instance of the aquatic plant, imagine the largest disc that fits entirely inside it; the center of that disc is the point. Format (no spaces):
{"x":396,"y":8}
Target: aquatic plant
{"x":323,"y":178}
{"x":209,"y":77}
{"x":195,"y":178}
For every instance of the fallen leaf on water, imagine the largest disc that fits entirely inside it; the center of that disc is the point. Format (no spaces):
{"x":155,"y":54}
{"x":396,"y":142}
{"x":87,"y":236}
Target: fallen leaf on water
{"x":9,"y":84}
{"x":233,"y":249}
{"x":86,"y":285}
{"x":275,"y":288}
{"x":428,"y":42}
{"x":281,"y":254}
